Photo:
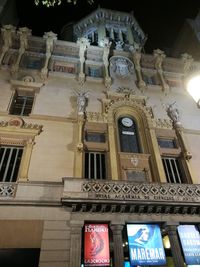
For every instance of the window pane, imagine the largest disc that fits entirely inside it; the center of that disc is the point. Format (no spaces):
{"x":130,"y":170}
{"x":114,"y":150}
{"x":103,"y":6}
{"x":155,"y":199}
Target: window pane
{"x":21,"y":105}
{"x":95,"y":165}
{"x":10,"y":158}
{"x":95,"y":137}
{"x":173,"y":170}
{"x":128,"y":136}
{"x":166,"y":143}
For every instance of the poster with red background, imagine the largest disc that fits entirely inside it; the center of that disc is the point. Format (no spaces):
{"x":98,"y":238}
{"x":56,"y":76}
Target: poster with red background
{"x":96,"y":245}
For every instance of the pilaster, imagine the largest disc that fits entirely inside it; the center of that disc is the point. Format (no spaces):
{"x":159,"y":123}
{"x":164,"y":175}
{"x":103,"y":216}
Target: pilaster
{"x":171,"y":229}
{"x":113,"y":154}
{"x":76,"y":243}
{"x":117,"y":244}
{"x":55,"y":244}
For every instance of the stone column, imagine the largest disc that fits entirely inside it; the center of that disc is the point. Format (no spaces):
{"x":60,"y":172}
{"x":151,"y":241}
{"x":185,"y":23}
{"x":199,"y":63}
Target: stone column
{"x":76,"y":242}
{"x":118,"y":244}
{"x":171,"y":229}
{"x":159,"y":56}
{"x":50,"y":38}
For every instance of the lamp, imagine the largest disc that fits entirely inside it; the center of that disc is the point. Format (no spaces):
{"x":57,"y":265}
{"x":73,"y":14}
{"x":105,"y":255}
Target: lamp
{"x":193,"y":87}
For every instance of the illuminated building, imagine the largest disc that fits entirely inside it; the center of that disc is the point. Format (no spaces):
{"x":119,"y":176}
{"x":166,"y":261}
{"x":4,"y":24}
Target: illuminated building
{"x":94,"y":131}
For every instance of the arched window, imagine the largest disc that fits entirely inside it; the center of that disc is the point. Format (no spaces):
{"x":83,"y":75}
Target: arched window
{"x":128,"y":135}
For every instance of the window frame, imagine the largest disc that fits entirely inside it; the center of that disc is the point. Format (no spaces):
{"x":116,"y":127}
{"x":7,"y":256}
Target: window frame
{"x":16,"y":132}
{"x":16,"y":96}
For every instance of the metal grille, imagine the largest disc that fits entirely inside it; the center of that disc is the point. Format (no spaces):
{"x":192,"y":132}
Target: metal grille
{"x":10,"y":158}
{"x":95,"y":167}
{"x":172,"y":170}
{"x":22,"y":105}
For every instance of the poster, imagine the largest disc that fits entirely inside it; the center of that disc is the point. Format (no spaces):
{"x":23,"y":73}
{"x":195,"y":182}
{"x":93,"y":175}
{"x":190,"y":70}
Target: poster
{"x":96,"y":245}
{"x":190,"y":242}
{"x":145,"y":245}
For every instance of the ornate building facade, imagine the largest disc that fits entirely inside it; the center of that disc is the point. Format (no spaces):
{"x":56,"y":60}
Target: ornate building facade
{"x":94,"y":132}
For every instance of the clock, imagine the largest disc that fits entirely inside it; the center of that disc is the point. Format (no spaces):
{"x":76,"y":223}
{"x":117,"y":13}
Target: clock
{"x":127,"y":122}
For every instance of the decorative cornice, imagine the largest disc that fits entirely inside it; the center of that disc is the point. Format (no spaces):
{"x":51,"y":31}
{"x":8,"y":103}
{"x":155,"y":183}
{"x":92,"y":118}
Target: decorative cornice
{"x":129,"y":197}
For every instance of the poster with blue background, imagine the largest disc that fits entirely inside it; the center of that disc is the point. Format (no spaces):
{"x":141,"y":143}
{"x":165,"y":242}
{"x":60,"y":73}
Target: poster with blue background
{"x":145,"y":244}
{"x":190,"y":242}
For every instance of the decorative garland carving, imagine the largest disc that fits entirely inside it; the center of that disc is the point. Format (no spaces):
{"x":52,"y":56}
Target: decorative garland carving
{"x":96,"y":117}
{"x":19,"y":123}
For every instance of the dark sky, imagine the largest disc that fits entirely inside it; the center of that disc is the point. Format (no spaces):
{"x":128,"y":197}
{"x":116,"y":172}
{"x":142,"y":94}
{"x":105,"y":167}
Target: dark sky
{"x":160,"y":20}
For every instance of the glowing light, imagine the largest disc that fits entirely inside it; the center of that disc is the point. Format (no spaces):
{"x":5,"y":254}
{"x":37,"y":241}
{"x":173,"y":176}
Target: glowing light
{"x":193,"y":88}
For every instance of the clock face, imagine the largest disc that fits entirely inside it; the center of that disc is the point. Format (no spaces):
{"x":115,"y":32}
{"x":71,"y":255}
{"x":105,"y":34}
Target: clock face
{"x":127,"y":122}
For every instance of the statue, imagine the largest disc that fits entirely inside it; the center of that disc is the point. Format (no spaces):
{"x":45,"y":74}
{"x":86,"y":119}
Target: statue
{"x":173,"y":113}
{"x":82,"y":102}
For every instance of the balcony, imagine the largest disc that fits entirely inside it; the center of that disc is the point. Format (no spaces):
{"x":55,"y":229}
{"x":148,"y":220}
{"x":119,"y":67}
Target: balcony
{"x":130,"y":197}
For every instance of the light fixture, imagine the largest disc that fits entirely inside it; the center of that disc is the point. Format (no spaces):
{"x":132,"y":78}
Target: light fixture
{"x":193,"y":87}
{"x":53,"y":3}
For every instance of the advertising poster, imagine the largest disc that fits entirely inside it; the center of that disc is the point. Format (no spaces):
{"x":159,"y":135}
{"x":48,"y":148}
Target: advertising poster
{"x":190,"y":242}
{"x":96,"y":245}
{"x":145,"y":245}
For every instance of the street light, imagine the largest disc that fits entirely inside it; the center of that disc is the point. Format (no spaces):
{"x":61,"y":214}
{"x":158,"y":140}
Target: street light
{"x":193,"y":88}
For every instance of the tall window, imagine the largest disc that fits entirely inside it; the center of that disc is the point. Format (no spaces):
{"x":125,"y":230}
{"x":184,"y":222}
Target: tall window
{"x":95,"y":165}
{"x":10,"y":158}
{"x":128,"y":135}
{"x":172,"y":169}
{"x":21,"y":104}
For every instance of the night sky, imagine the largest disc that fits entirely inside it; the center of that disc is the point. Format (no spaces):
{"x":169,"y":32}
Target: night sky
{"x":160,"y":20}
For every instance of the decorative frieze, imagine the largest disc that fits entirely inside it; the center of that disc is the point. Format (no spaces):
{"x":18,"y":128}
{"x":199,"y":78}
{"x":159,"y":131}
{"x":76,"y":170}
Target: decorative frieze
{"x":7,"y":190}
{"x":129,"y":197}
{"x":96,"y":117}
{"x":163,"y":123}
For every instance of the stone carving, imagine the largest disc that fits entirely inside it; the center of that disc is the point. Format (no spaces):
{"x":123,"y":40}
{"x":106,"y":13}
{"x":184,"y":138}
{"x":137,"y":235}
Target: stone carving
{"x":7,"y":190}
{"x":96,"y":117}
{"x":159,"y":191}
{"x":173,"y":113}
{"x":126,"y":91}
{"x":23,"y":34}
{"x":28,"y":79}
{"x":7,"y":31}
{"x":18,"y":122}
{"x":166,"y":124}
{"x":187,"y":60}
{"x":50,"y":38}
{"x":121,"y":66}
{"x":82,"y":99}
{"x":106,"y":50}
{"x":83,"y":44}
{"x":119,"y":45}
